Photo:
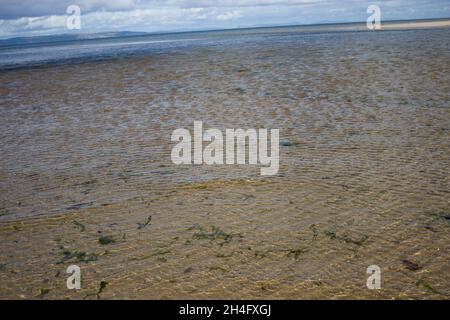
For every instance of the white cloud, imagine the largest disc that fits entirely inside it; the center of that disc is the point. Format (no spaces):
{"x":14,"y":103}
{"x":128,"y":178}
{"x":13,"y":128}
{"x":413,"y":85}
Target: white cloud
{"x":29,"y":17}
{"x":228,"y":15}
{"x":12,"y":9}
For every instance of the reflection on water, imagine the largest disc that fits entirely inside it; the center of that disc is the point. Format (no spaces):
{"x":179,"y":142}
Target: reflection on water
{"x":366,"y":116}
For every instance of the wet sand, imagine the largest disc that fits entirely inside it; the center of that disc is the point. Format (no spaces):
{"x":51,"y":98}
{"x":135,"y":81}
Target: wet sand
{"x":416,"y":25}
{"x":363,"y":181}
{"x":241,"y":239}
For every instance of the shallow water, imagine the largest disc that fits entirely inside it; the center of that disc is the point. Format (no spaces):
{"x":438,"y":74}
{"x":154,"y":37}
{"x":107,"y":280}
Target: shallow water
{"x":99,"y":132}
{"x":369,"y":120}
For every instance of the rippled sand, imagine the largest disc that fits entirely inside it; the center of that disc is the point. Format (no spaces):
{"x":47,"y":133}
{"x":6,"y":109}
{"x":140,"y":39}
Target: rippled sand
{"x":86,"y":154}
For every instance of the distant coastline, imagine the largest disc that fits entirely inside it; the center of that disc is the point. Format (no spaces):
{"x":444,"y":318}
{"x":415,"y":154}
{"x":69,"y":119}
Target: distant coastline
{"x":347,"y":26}
{"x":418,"y":24}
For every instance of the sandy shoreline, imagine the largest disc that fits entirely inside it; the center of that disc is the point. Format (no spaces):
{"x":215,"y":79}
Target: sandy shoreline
{"x":227,"y":240}
{"x":415,"y":25}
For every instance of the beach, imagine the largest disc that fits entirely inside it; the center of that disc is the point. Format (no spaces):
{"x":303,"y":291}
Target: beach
{"x":86,"y":176}
{"x":416,"y":25}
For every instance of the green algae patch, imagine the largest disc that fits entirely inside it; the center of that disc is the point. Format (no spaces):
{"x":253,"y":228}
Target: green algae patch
{"x":106,"y":240}
{"x":77,"y":256}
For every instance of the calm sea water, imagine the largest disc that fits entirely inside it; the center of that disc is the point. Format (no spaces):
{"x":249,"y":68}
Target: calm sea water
{"x":85,"y":132}
{"x":15,"y":56}
{"x":88,"y":123}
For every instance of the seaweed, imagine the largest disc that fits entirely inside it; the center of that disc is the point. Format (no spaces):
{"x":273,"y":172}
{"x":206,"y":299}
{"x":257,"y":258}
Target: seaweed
{"x":145,"y":224}
{"x":239,"y":90}
{"x":80,"y":225}
{"x":218,"y":268}
{"x":426,"y":285}
{"x":346,"y":238}
{"x":161,"y":252}
{"x":223,"y":255}
{"x":442,"y":215}
{"x":78,"y":256}
{"x":314,"y":230}
{"x":195,"y":227}
{"x":102,"y":287}
{"x":3,"y":212}
{"x":295,"y":253}
{"x":261,"y":254}
{"x":248,"y":196}
{"x":43,"y":292}
{"x":286,"y":143}
{"x":86,"y":183}
{"x":106,"y":240}
{"x":215,"y":234}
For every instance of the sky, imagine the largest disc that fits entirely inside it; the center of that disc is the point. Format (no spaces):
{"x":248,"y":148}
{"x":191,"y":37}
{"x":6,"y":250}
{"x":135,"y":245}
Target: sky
{"x":44,"y":17}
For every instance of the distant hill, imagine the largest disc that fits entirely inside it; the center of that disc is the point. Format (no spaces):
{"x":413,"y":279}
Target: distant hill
{"x":67,"y":37}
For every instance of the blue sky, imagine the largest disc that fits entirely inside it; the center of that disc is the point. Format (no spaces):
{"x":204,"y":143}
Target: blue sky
{"x":40,"y":17}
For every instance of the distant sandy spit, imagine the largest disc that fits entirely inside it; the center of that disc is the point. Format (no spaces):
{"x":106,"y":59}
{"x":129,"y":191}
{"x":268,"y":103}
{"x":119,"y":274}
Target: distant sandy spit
{"x":415,"y":25}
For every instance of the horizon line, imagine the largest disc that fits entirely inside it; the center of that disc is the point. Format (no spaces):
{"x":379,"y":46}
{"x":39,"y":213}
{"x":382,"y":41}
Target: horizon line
{"x":218,"y":29}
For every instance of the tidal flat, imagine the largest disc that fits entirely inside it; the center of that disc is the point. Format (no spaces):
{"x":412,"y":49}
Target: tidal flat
{"x":364,"y":119}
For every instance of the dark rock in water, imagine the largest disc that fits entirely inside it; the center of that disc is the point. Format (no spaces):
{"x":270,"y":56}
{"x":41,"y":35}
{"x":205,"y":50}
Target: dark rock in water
{"x":286,"y":143}
{"x":411,"y":265}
